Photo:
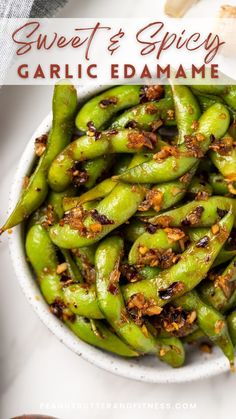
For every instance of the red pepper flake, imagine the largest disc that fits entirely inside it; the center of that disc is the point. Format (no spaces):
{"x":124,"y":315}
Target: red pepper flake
{"x":151,"y":228}
{"x":92,"y":131}
{"x":112,"y":288}
{"x":203,"y":242}
{"x":131,"y":124}
{"x":79,"y":176}
{"x":175,"y":320}
{"x":193,"y":217}
{"x":172,"y":291}
{"x":130,"y":272}
{"x":104,"y":103}
{"x":101,"y":218}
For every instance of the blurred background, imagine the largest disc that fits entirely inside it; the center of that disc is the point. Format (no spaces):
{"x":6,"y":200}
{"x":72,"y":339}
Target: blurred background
{"x":38,"y":374}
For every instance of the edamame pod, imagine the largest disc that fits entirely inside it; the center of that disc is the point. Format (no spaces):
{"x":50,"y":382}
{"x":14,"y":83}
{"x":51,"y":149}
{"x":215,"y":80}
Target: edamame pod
{"x":196,"y":213}
{"x":111,"y":303}
{"x":42,"y":255}
{"x":178,"y":160}
{"x":113,"y":211}
{"x":61,"y":172}
{"x":210,"y":321}
{"x":81,"y":300}
{"x":64,"y":108}
{"x":99,"y":110}
{"x":147,"y":116}
{"x":221,"y":293}
{"x":188,"y":272}
{"x":187,"y":111}
{"x":156,"y":249}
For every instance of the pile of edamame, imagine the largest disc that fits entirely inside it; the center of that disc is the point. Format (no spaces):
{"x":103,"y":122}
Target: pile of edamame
{"x":130,"y":217}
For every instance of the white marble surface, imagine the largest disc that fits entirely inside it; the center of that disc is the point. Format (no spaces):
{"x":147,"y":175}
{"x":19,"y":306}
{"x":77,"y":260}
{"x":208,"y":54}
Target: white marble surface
{"x":37,"y":373}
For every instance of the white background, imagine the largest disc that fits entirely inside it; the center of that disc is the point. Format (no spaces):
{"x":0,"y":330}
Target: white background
{"x":35,"y":368}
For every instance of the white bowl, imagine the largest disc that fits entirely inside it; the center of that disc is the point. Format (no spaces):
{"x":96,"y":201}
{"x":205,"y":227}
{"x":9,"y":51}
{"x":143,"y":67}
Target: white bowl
{"x":148,"y":368}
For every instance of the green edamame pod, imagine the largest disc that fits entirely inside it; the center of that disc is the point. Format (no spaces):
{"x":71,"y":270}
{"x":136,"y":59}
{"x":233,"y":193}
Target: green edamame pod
{"x":64,"y":108}
{"x":206,"y":101}
{"x":188,"y":272}
{"x":97,"y":334}
{"x":168,"y":194}
{"x":197,"y":213}
{"x":99,"y":110}
{"x":221,"y":293}
{"x":228,"y":93}
{"x":196,"y":234}
{"x":111,"y":303}
{"x":210,"y":321}
{"x":187,"y":111}
{"x":147,"y":115}
{"x":86,"y":148}
{"x":148,"y":272}
{"x":143,"y":250}
{"x":214,"y":89}
{"x":114,"y":210}
{"x":85,"y":259}
{"x":97,"y":192}
{"x":214,"y":121}
{"x":81,"y":300}
{"x":42,"y":255}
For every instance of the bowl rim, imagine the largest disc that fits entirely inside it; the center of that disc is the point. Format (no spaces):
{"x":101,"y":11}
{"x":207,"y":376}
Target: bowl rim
{"x":126,"y":368}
